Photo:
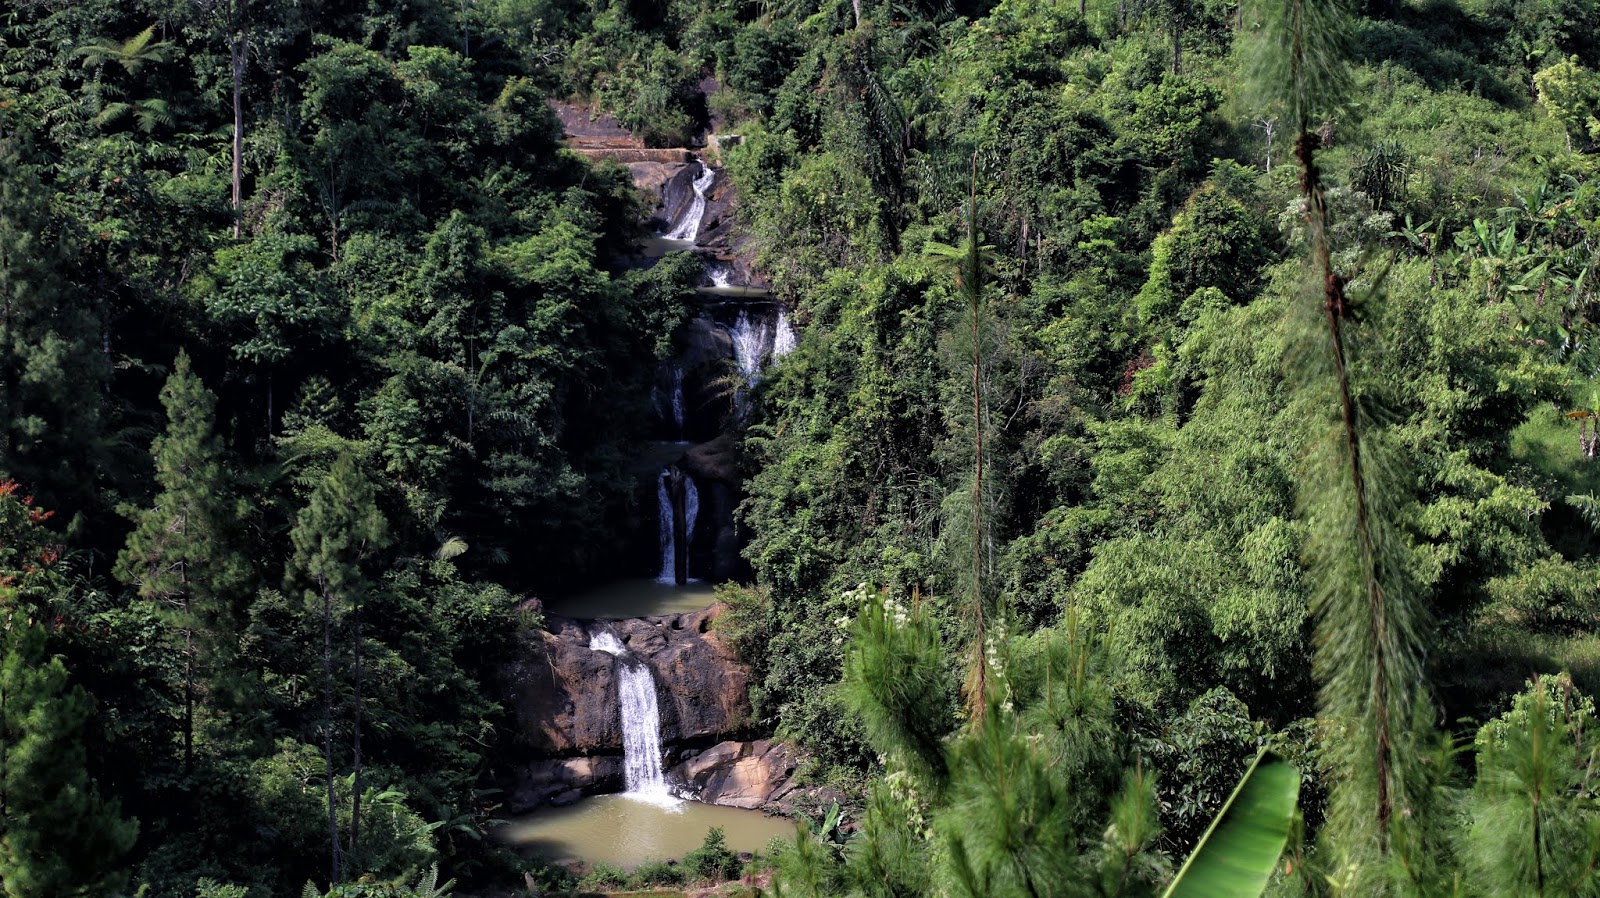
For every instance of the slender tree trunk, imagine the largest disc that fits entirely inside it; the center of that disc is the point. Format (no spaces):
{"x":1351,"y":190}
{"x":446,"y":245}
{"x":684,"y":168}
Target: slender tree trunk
{"x":355,"y":792}
{"x":678,"y":495}
{"x":974,"y":278}
{"x":188,"y":698}
{"x":1337,"y":310}
{"x":1177,"y":40}
{"x":327,"y":733}
{"x":237,"y":53}
{"x":188,"y":667}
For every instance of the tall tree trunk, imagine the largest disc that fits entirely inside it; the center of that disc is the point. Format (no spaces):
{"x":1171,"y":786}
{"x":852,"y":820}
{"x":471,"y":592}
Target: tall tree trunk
{"x":188,"y":668}
{"x":974,"y":278}
{"x":327,"y":733}
{"x":355,"y":792}
{"x":188,"y":698}
{"x":236,"y":51}
{"x":1177,"y":38}
{"x":1337,"y":310}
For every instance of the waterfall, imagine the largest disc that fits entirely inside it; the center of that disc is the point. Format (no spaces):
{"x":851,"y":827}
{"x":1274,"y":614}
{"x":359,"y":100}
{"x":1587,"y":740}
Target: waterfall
{"x":691,"y":510}
{"x":641,"y":722}
{"x":668,"y":404}
{"x":783,"y":339}
{"x":689,"y":228}
{"x":667,"y":515}
{"x":677,"y":400}
{"x":669,"y":553}
{"x":751,"y":340}
{"x":721,"y":274}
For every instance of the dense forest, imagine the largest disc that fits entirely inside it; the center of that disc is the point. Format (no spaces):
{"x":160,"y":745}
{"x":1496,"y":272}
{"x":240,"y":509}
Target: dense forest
{"x":1176,"y":380}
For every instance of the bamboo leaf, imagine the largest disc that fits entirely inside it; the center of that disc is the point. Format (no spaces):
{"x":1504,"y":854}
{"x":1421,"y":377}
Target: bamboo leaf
{"x":1237,"y":855}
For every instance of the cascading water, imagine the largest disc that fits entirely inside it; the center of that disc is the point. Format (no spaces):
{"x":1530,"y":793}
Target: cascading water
{"x":669,"y":546}
{"x":783,"y":338}
{"x":641,"y":722}
{"x":677,"y":400}
{"x":691,"y":510}
{"x":669,"y":403}
{"x":721,"y":274}
{"x":667,"y":515}
{"x":689,"y":228}
{"x":751,"y":340}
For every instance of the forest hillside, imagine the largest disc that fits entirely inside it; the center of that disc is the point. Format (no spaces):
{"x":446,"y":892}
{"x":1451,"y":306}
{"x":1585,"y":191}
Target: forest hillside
{"x":1172,"y":380}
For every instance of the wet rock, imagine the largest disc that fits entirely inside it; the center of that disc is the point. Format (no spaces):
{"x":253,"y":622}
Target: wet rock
{"x":674,"y":195}
{"x":563,"y":695}
{"x":716,"y":460}
{"x":705,"y":343}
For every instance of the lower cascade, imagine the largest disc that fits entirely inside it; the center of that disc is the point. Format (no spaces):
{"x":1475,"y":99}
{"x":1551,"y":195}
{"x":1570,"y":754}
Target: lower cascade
{"x":641,"y":722}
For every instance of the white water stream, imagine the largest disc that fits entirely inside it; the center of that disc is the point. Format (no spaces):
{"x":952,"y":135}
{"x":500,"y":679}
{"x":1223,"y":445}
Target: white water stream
{"x":689,"y":228}
{"x":669,"y":541}
{"x":641,"y":723}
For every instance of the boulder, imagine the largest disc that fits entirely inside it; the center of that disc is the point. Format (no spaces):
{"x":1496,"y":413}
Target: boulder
{"x":737,"y":774}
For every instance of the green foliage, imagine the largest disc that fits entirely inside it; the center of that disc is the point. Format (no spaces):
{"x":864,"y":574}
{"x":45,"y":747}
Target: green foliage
{"x":1571,"y":93}
{"x":712,"y":860}
{"x":58,"y":835}
{"x":1534,"y":828}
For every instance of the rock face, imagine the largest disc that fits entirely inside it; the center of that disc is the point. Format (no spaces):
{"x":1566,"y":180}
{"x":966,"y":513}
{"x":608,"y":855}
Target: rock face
{"x":564,"y":694}
{"x":562,"y":781}
{"x":738,"y":774}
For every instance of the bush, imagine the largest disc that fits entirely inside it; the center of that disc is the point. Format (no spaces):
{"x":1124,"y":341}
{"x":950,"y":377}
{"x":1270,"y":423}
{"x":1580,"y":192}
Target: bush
{"x":658,"y":873}
{"x":712,"y":860}
{"x":603,"y":876}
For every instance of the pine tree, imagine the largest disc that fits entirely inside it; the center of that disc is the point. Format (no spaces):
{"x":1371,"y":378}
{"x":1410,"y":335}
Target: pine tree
{"x":179,"y":554}
{"x":1370,"y":616}
{"x":339,"y":528}
{"x":969,"y":265}
{"x":60,"y":837}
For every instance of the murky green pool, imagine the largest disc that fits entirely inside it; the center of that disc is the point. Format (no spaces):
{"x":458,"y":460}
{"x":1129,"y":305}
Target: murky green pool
{"x":633,"y":598}
{"x":626,"y":832}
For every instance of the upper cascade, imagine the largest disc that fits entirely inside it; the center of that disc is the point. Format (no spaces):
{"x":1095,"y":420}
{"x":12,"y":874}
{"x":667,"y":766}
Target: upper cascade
{"x":689,"y":228}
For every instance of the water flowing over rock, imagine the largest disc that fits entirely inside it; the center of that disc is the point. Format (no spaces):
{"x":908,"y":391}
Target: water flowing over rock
{"x":641,"y":720}
{"x":564,"y":695}
{"x":678,"y":502}
{"x":783,"y":339}
{"x":689,"y":227}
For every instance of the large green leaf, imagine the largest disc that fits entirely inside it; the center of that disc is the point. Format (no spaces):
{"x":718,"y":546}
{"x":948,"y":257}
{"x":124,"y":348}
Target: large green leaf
{"x":1236,"y":856}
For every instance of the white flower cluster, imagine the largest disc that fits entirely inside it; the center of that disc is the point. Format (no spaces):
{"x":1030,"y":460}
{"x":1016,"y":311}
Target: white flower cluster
{"x":903,"y":792}
{"x":992,"y":641}
{"x":862,"y":597}
{"x":895,"y":611}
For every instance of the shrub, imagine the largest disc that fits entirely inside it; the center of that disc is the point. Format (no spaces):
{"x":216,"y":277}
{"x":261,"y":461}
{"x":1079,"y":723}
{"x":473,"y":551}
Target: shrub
{"x":603,"y":876}
{"x":712,"y":860}
{"x":658,"y":873}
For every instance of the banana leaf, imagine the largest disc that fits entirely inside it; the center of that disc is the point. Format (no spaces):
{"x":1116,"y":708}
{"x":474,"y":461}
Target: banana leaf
{"x":1236,"y":856}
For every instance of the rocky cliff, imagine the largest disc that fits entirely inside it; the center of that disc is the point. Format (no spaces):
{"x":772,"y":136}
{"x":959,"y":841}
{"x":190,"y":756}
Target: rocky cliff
{"x":563,"y":697}
{"x":564,"y":694}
